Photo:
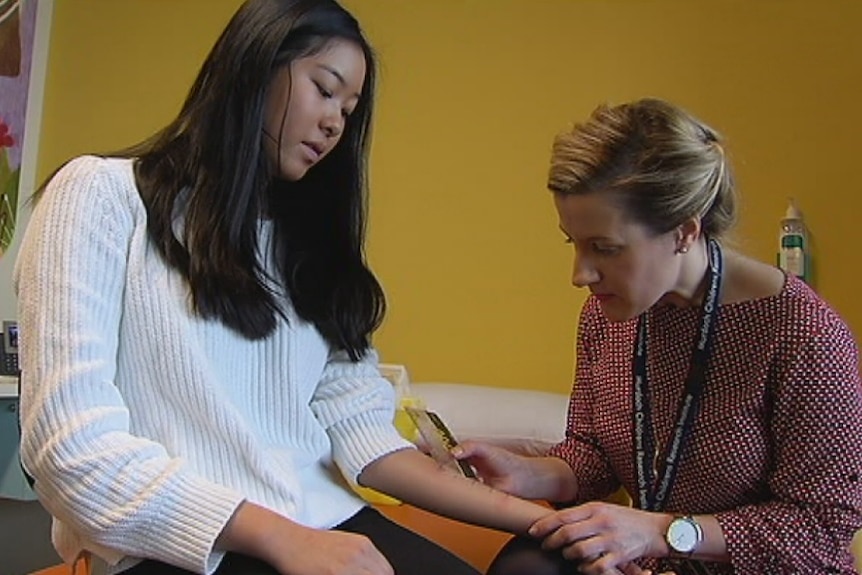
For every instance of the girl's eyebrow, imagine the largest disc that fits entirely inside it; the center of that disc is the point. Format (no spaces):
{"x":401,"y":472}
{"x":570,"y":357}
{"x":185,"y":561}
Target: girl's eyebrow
{"x":334,"y":72}
{"x":338,"y":76}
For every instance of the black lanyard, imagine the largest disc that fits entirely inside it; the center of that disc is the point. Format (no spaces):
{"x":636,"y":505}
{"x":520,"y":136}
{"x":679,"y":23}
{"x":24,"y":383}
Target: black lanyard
{"x":650,"y":495}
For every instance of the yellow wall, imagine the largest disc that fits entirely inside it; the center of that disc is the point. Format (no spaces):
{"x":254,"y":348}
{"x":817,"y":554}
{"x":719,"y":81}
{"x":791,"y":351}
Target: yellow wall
{"x":463,"y":234}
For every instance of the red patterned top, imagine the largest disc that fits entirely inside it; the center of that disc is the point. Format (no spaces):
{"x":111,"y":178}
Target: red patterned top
{"x":775,"y":452}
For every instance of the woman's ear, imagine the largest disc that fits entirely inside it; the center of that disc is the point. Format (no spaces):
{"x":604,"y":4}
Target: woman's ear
{"x":687,"y":234}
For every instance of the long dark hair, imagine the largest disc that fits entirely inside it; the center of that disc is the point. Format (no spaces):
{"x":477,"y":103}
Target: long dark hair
{"x":208,"y":168}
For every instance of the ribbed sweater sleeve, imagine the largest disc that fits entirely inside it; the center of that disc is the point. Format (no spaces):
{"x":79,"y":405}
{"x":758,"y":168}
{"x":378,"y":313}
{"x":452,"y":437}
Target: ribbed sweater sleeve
{"x":356,"y":405}
{"x":123,"y":492}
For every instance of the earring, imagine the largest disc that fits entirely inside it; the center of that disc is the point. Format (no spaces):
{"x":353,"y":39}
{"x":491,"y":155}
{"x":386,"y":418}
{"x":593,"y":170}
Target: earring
{"x":682,"y":250}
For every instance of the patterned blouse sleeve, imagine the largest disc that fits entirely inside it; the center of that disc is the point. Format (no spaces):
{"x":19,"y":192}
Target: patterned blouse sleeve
{"x":815,"y":487}
{"x":580,"y":448}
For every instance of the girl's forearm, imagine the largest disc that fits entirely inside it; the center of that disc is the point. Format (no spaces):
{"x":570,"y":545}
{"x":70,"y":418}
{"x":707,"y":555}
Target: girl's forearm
{"x":417,"y":479}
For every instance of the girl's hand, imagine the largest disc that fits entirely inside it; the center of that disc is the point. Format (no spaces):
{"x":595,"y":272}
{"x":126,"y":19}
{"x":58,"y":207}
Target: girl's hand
{"x":294,"y":549}
{"x":321,"y":552}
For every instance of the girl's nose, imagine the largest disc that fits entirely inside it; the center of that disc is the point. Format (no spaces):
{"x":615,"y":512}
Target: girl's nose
{"x":332,"y":124}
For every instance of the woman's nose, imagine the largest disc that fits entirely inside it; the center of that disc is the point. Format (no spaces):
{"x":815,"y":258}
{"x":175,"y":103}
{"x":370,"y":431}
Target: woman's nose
{"x":583,"y":274}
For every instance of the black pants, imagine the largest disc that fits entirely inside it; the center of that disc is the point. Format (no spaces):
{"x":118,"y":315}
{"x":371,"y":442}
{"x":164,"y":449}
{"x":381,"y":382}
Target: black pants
{"x":407,"y":552}
{"x":524,"y":556}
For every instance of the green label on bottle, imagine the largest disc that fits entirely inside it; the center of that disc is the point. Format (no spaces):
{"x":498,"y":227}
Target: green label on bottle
{"x":792,"y":241}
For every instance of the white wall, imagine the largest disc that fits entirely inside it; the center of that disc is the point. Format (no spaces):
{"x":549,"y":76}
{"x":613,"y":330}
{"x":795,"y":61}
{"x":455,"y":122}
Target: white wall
{"x":7,"y":263}
{"x":30,"y":151}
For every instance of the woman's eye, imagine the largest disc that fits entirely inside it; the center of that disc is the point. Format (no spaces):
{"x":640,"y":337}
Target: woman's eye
{"x":605,"y":250}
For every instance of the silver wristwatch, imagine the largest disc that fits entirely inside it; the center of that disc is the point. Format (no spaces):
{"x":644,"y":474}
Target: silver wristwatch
{"x":683,"y":535}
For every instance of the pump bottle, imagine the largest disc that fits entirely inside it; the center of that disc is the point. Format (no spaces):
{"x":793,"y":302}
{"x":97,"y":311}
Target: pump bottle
{"x":793,"y":250}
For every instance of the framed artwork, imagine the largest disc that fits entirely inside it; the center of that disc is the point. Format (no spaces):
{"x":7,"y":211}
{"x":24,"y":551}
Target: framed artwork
{"x":24,"y":27}
{"x":24,"y":33}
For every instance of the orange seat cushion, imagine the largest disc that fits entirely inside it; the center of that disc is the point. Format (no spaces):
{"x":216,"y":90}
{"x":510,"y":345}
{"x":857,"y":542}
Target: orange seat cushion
{"x":82,"y":567}
{"x":475,"y":545}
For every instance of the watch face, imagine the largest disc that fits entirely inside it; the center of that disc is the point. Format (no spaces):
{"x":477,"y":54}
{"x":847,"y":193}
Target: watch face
{"x":682,"y":535}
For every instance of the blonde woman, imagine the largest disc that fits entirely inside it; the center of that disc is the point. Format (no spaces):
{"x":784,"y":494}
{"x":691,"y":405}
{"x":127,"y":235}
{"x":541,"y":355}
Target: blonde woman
{"x":722,"y":394}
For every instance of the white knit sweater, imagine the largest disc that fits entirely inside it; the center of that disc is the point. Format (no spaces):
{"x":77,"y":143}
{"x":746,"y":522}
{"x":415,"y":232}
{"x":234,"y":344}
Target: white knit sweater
{"x":146,"y":426}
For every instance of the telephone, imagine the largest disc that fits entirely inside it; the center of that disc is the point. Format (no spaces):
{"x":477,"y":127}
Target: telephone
{"x":9,"y":349}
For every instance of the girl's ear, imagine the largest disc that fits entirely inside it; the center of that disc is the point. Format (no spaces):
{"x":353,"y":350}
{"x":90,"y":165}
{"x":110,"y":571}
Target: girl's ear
{"x":687,"y":234}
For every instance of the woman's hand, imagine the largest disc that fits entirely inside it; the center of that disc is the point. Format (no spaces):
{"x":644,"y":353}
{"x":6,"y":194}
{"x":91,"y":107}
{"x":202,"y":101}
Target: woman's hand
{"x":603,"y":536}
{"x":528,"y":477}
{"x":498,"y":467}
{"x":633,"y":569}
